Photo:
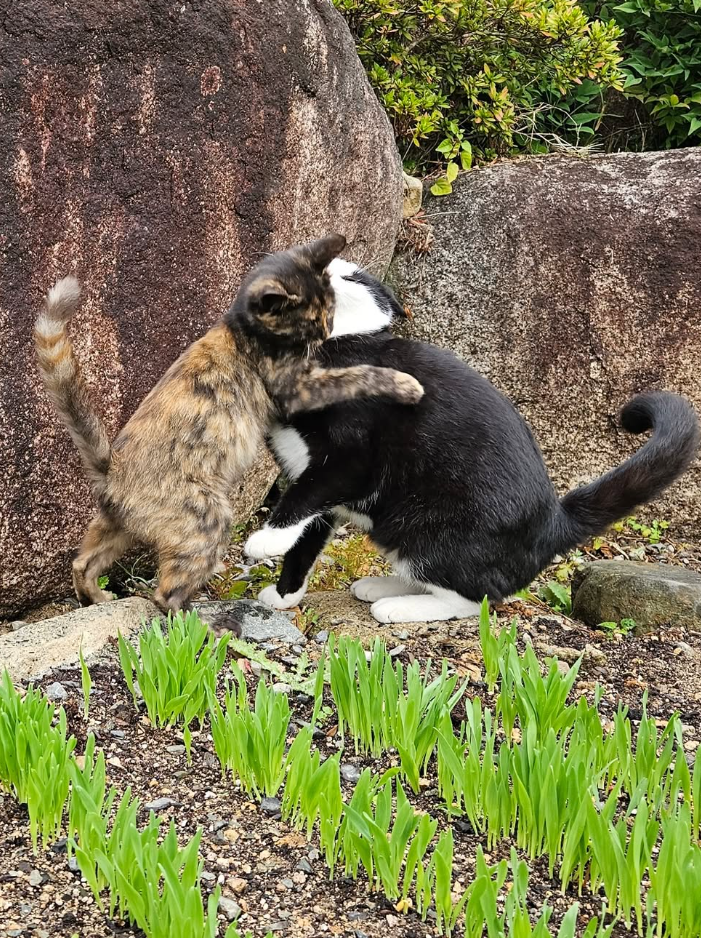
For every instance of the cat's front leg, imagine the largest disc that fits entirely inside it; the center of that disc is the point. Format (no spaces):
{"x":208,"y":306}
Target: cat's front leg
{"x":318,"y":387}
{"x":341,"y":478}
{"x":298,"y":564}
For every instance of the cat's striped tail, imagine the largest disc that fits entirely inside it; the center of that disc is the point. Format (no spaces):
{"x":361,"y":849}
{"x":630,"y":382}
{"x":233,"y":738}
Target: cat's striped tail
{"x":668,"y":453}
{"x":64,"y":381}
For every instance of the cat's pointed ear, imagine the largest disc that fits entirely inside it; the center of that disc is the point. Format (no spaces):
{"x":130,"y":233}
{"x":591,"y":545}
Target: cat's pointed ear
{"x":323,"y":251}
{"x":270,"y":296}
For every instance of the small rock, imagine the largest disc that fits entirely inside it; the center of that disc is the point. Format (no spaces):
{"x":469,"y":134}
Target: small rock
{"x":287,"y":883}
{"x":321,"y":637}
{"x":282,"y":688}
{"x":231,"y":909}
{"x":207,"y":876}
{"x":118,"y":734}
{"x":304,"y":866}
{"x":336,"y":621}
{"x":297,"y":649}
{"x":684,"y":648}
{"x":73,"y":865}
{"x":271,"y":806}
{"x":413,"y":195}
{"x":56,"y":691}
{"x":562,"y":666}
{"x":402,"y":636}
{"x":176,"y":750}
{"x":160,"y":804}
{"x":350,"y":773}
{"x":18,"y":624}
{"x":36,"y":878}
{"x":237,"y":885}
{"x":258,"y":622}
{"x":395,"y":652}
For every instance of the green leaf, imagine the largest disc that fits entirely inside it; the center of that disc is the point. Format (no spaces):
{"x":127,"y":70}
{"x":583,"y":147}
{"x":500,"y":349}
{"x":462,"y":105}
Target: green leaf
{"x":441,"y":186}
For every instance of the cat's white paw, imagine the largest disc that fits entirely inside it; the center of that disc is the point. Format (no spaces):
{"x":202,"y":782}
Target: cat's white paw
{"x":369,"y":589}
{"x":424,"y":608}
{"x":270,"y":596}
{"x":274,"y":542}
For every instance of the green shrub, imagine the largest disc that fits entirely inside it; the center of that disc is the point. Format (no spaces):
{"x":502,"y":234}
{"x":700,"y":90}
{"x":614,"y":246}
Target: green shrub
{"x":660,"y":105}
{"x":455,"y":72}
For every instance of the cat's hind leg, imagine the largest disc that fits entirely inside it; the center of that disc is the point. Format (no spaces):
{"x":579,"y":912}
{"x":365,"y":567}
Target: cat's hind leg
{"x":187,"y":561}
{"x":438,"y":605}
{"x":105,"y":541}
{"x":369,"y":589}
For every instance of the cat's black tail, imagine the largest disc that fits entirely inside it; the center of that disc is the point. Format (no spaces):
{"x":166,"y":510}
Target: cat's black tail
{"x":666,"y":455}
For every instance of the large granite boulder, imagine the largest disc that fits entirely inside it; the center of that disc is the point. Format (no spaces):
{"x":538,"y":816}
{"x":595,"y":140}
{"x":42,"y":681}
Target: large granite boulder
{"x":572,"y":284}
{"x":156,"y":149}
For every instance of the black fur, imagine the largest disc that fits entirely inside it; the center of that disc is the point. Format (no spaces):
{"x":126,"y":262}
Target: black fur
{"x":457,"y":485}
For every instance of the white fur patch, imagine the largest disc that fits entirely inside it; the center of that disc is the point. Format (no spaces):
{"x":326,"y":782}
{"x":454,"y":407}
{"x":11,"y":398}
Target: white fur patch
{"x":369,"y":589}
{"x":275,"y":542}
{"x":356,"y":309}
{"x":270,"y":596}
{"x":48,"y":327}
{"x":343,"y":516}
{"x":290,"y":450}
{"x":439,"y":606}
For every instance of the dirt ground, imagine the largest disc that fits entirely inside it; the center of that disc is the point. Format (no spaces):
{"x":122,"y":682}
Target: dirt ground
{"x":274,"y":876}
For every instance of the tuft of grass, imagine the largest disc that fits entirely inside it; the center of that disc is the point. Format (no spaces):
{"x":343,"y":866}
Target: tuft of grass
{"x":34,"y":758}
{"x":176,"y":672}
{"x":383,"y":707}
{"x":351,"y":557}
{"x":251,"y":742}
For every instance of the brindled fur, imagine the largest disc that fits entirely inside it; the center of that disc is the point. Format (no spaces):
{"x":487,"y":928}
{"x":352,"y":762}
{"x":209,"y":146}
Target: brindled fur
{"x":166,"y":479}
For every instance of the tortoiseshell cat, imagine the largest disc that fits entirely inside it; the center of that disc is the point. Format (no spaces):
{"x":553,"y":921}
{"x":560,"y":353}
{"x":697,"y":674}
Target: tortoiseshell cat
{"x":166,"y":479}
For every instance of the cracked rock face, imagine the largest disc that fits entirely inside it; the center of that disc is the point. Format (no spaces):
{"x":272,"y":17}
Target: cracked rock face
{"x":573,"y":284}
{"x":155,"y":149}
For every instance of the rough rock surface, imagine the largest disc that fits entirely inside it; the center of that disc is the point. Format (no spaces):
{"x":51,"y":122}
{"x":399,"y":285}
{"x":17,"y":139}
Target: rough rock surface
{"x":572,"y":284}
{"x":40,"y":647}
{"x":156,"y":149}
{"x":652,"y":594}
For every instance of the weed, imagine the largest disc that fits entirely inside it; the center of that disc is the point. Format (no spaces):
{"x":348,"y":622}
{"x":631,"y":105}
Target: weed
{"x":176,"y":672}
{"x":557,"y":596}
{"x":351,"y":558}
{"x":251,"y":743}
{"x":34,"y":758}
{"x":86,"y":684}
{"x":382,"y":707}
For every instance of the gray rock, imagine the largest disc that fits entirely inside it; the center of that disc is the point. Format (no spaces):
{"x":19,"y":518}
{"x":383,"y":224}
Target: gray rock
{"x":321,"y":637}
{"x":304,"y":866}
{"x":160,"y":804}
{"x":651,"y":594}
{"x":55,"y":642}
{"x":259,"y":623}
{"x":350,"y":773}
{"x":549,"y":275}
{"x":271,"y":806}
{"x":282,"y":688}
{"x":231,"y":909}
{"x":249,"y":149}
{"x":18,"y":624}
{"x":36,"y":878}
{"x":56,"y":692}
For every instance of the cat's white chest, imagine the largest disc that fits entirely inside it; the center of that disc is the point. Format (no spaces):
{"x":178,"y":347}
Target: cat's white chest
{"x":290,"y":450}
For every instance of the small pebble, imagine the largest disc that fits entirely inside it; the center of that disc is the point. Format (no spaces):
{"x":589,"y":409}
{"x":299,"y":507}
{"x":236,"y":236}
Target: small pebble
{"x":231,"y":909}
{"x":350,"y":773}
{"x":394,"y":652}
{"x":237,"y":885}
{"x":36,"y":878}
{"x":56,"y":691}
{"x":321,"y":637}
{"x":18,"y":624}
{"x":297,"y":649}
{"x":207,"y":876}
{"x":176,"y":750}
{"x":118,"y":734}
{"x":271,"y":806}
{"x":160,"y":804}
{"x":304,"y":866}
{"x":282,"y":688}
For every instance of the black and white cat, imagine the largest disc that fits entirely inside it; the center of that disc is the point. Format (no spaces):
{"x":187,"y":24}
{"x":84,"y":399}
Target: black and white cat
{"x":453,"y":491}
